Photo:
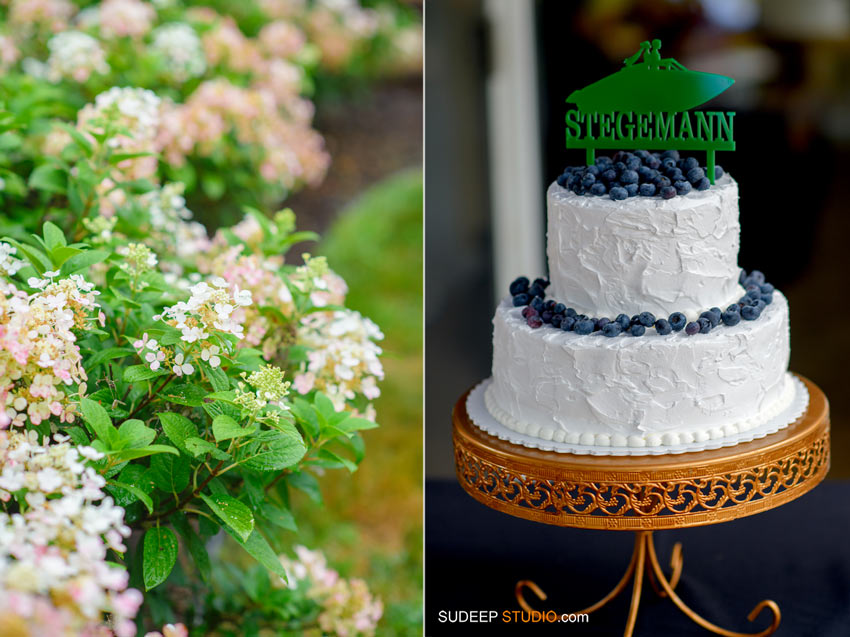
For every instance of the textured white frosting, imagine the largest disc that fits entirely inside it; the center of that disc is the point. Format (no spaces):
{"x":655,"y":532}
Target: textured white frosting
{"x":644,"y":254}
{"x":637,"y":391}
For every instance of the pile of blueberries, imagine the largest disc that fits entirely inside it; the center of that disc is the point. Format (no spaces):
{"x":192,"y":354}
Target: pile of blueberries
{"x":538,"y":311}
{"x":639,"y":173}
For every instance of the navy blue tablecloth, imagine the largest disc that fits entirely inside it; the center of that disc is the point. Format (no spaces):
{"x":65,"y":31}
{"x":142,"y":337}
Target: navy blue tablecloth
{"x":798,"y":555}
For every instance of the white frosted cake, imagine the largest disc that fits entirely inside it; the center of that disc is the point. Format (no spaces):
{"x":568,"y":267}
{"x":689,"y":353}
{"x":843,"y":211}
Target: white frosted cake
{"x":642,"y":386}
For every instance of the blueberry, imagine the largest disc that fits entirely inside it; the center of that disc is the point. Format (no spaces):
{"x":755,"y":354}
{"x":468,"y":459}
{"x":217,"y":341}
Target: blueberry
{"x":543,"y":283}
{"x":645,"y":173}
{"x":609,"y":174}
{"x":695,"y":175}
{"x":568,"y":323}
{"x":598,"y":189}
{"x":584,"y":327}
{"x":635,"y":320}
{"x":647,"y":319}
{"x":647,"y":190}
{"x":603,"y":161}
{"x":767,"y":299}
{"x":521,"y":299}
{"x":537,"y":291}
{"x":570,"y":312}
{"x":562,"y":180}
{"x":612,"y":329}
{"x":588,"y":179}
{"x":668,"y":163}
{"x":619,"y":166}
{"x":692,"y":328}
{"x":757,"y":277}
{"x":750,"y":312}
{"x":537,"y":303}
{"x":534,"y":321}
{"x":672,"y":154}
{"x":653,"y":162}
{"x":766,"y":288}
{"x":662,"y":326}
{"x":618,"y":193}
{"x":632,"y":190}
{"x":633,"y":163}
{"x":718,"y":172}
{"x":602,"y":322}
{"x":704,"y":325}
{"x":593,"y":170}
{"x":668,"y":192}
{"x":549,"y":306}
{"x":675,"y":174}
{"x":731,"y":318}
{"x":703,"y":184}
{"x":529,"y":311}
{"x":711,"y":317}
{"x":547,"y":315}
{"x":662,"y":182}
{"x":637,"y":330}
{"x":519,"y":285}
{"x":742,"y":276}
{"x":622,"y":320}
{"x":556,"y":320}
{"x":629,"y":177}
{"x":581,"y":317}
{"x":559,"y":308}
{"x":734,"y":308}
{"x":677,"y":321}
{"x":689,"y":162}
{"x":682,"y":187}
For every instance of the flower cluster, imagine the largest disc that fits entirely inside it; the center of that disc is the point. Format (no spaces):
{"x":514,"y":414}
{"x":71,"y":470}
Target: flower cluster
{"x":8,"y":263}
{"x":172,"y":232}
{"x":343,"y":358}
{"x":30,"y":15}
{"x":267,"y":387}
{"x":39,"y":356}
{"x":347,"y":606}
{"x":54,"y":574}
{"x":292,"y":152}
{"x":180,"y":51}
{"x":74,"y":55}
{"x":118,"y":18}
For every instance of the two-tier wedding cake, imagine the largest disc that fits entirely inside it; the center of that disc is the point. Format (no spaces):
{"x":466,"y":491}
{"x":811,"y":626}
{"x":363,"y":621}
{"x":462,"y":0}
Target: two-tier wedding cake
{"x":647,"y":335}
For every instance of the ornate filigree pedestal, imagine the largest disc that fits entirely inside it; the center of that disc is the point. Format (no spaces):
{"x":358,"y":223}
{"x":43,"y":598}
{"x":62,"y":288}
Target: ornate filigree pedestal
{"x":646,"y":493}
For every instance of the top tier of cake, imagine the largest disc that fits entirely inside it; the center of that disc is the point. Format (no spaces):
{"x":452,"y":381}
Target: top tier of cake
{"x":644,"y":254}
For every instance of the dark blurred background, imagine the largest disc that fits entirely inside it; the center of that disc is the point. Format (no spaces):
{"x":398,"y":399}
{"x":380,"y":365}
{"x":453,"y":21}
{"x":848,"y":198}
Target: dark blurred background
{"x":491,"y":151}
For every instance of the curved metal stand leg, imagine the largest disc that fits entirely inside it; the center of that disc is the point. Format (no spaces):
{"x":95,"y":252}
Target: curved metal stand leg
{"x":667,"y":586}
{"x":621,"y":585}
{"x":676,"y":561}
{"x":643,"y":539}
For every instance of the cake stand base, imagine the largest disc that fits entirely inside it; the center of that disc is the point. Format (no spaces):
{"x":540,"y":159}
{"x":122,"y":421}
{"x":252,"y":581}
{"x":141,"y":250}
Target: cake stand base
{"x":645,"y":561}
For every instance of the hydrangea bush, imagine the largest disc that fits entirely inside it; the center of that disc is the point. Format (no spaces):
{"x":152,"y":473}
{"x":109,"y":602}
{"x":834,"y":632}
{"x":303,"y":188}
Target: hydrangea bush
{"x":223,"y":100}
{"x":161,"y":388}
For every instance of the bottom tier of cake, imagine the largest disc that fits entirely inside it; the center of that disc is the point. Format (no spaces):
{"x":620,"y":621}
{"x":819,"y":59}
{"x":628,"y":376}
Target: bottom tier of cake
{"x":639,"y":391}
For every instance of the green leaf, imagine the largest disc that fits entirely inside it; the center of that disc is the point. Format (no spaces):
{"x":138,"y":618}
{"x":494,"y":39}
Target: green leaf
{"x":83,"y":261}
{"x":337,"y":460}
{"x":198,"y":446}
{"x":169,"y":473}
{"x":48,"y":178}
{"x":225,"y":428}
{"x":259,"y":549}
{"x":78,"y":436}
{"x":136,"y":491}
{"x":232,"y":512}
{"x":324,"y":405}
{"x":134,"y":434}
{"x":218,"y":378}
{"x":307,"y":483}
{"x":284,"y":451}
{"x":151,"y":450}
{"x":356,"y":424}
{"x":98,"y":421}
{"x":138,"y":373}
{"x":81,"y":140}
{"x":279,"y":516}
{"x":61,"y":254}
{"x":306,"y":416}
{"x":185,"y":394}
{"x":159,"y":556}
{"x":193,"y":542}
{"x":53,"y":236}
{"x":177,"y":428}
{"x":108,"y":354}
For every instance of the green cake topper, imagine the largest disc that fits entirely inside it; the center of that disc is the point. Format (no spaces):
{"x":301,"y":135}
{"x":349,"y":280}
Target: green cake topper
{"x":645,"y":105}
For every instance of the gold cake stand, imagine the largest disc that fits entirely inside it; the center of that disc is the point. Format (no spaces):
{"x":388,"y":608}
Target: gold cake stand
{"x":644,"y":494}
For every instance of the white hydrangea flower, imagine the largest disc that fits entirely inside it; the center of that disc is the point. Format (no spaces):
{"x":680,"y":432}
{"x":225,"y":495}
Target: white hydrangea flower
{"x":8,"y":263}
{"x":181,"y":367}
{"x":74,"y":55}
{"x":180,"y":49}
{"x":210,"y":354}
